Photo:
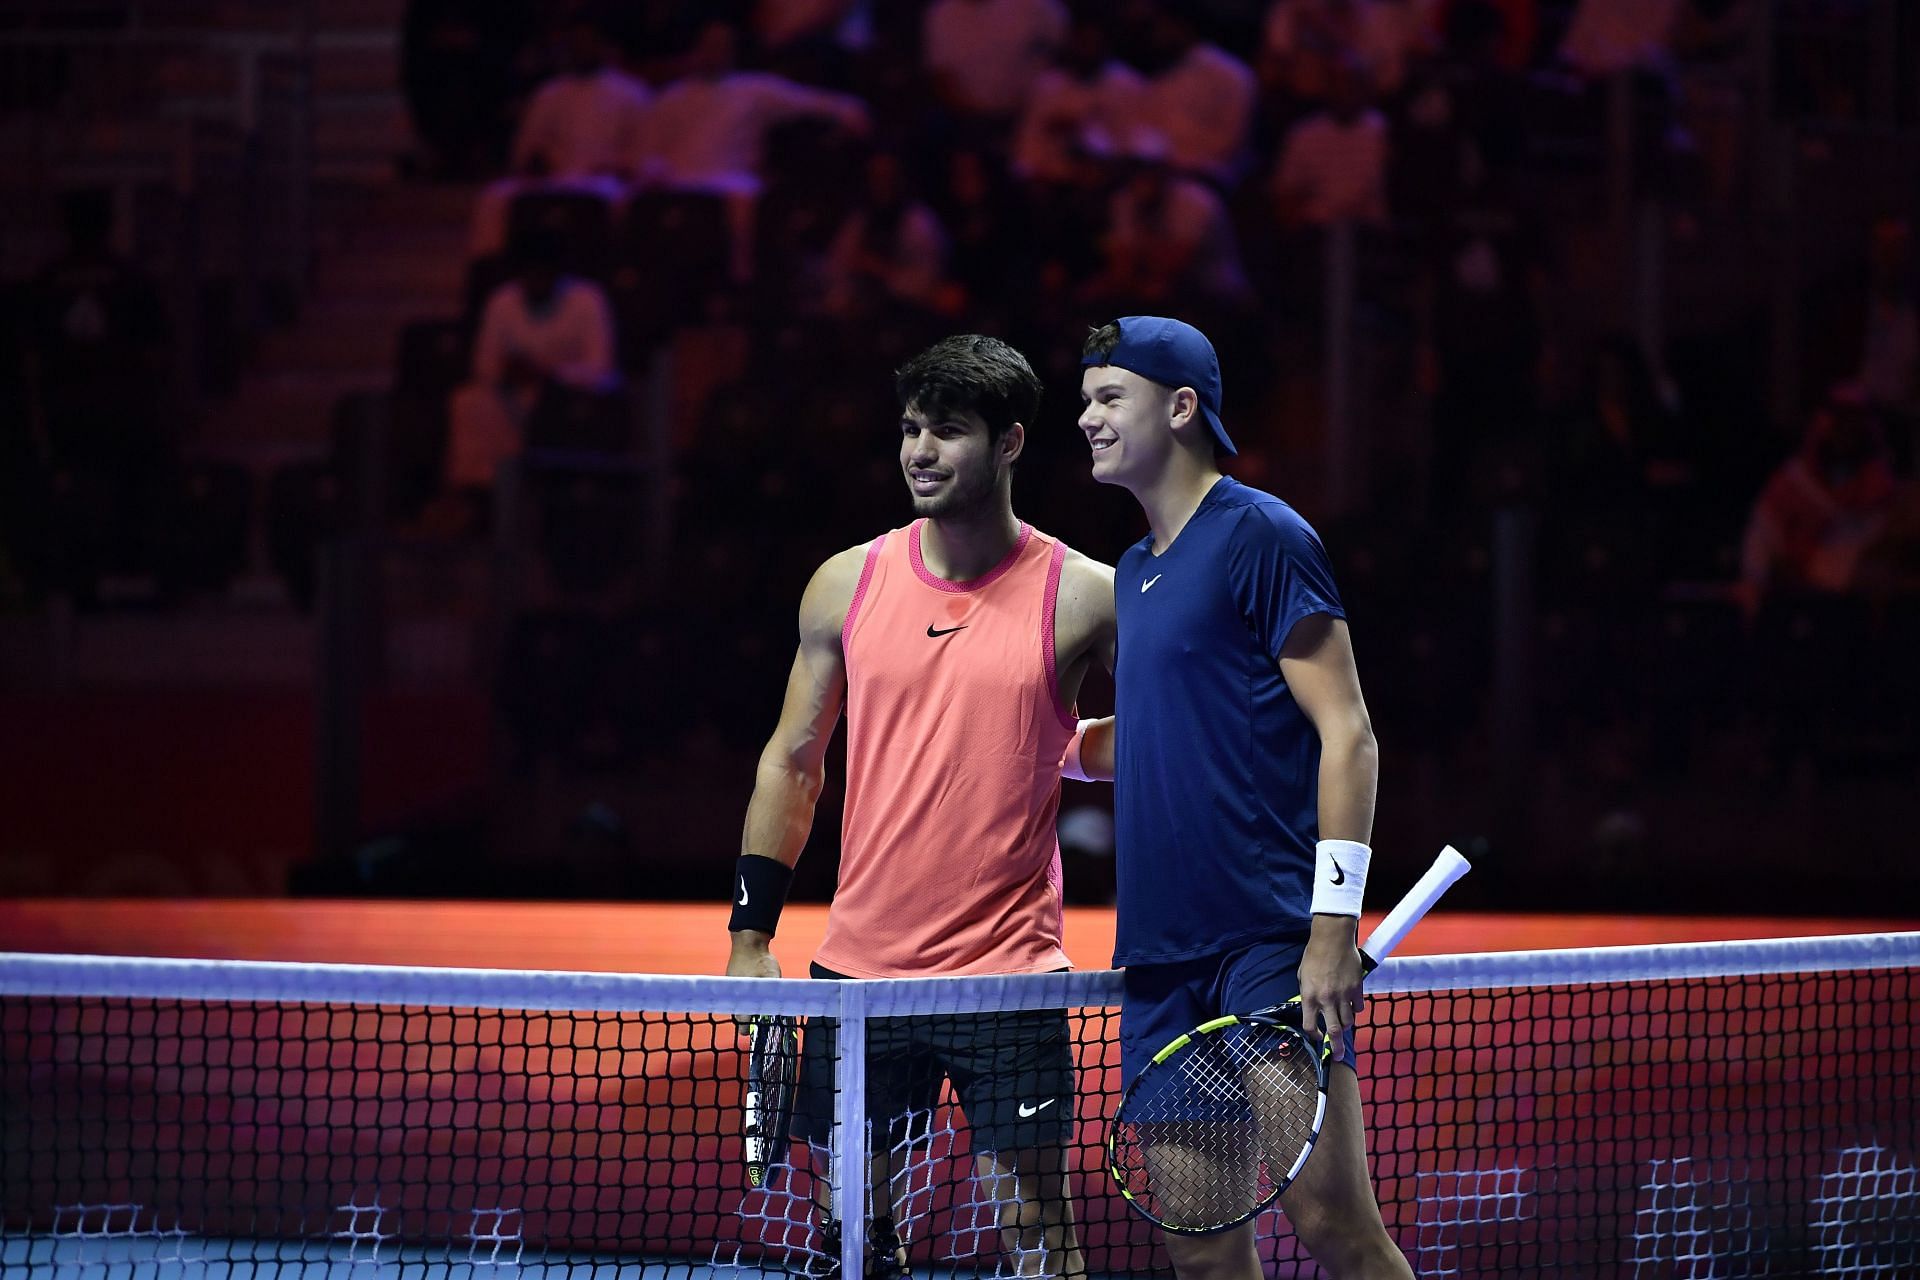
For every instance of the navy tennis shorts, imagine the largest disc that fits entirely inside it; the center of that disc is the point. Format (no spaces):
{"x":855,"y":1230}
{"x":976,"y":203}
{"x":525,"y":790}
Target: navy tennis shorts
{"x":1012,"y":1073}
{"x":1162,"y":1002}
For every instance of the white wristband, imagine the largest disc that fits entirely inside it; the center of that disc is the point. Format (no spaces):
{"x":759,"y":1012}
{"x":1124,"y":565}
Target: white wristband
{"x":1071,"y":766}
{"x":1339,"y":876}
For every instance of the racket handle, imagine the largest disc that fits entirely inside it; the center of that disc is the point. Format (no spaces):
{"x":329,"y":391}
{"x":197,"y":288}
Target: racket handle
{"x":1382,"y":942}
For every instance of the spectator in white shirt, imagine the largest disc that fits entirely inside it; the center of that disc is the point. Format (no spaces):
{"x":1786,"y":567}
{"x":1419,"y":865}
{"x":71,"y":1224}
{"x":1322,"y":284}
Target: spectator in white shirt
{"x":540,"y":329}
{"x":984,"y":55}
{"x":1200,"y":98}
{"x":706,"y":131}
{"x":579,"y":133}
{"x":1087,"y":95}
{"x":1333,"y":164}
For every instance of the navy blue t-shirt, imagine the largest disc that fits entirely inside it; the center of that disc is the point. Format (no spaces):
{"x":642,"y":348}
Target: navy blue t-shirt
{"x":1216,"y":783}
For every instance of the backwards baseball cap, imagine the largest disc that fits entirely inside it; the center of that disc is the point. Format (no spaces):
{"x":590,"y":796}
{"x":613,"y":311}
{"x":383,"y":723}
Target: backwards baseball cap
{"x":1174,"y":354}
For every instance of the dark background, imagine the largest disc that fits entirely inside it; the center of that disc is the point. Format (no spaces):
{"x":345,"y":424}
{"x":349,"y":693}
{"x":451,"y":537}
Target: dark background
{"x":250,"y":646}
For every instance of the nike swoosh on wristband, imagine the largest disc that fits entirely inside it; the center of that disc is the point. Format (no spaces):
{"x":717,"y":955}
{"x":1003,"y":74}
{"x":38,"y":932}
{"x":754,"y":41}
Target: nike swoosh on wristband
{"x":743,"y":891}
{"x":1150,"y":581}
{"x":1029,"y":1110}
{"x":945,"y":631}
{"x":1339,"y":876}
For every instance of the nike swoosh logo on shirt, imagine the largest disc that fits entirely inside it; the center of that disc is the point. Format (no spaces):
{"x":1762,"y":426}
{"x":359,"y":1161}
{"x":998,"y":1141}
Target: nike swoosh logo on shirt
{"x":1150,"y":581}
{"x":1029,"y":1110}
{"x":945,"y":631}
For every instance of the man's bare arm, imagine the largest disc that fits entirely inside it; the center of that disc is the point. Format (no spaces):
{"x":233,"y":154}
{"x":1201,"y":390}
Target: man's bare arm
{"x":787,"y":781}
{"x":1317,"y":664}
{"x":1084,"y":618}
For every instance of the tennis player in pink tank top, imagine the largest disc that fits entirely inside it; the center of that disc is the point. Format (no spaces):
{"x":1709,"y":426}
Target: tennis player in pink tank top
{"x":957,"y":645}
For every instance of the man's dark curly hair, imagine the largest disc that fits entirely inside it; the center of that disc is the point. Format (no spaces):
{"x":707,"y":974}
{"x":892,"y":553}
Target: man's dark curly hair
{"x":971,"y":373}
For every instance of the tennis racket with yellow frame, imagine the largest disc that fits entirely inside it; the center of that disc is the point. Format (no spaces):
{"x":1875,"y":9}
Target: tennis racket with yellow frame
{"x":1223,"y":1119}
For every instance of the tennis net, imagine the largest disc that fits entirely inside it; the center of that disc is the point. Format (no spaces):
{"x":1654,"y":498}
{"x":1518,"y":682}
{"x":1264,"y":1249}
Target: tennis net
{"x":1713,"y":1109}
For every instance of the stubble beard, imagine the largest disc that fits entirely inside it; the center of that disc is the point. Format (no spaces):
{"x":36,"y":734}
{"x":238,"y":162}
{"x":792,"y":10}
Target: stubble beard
{"x":965,"y":495}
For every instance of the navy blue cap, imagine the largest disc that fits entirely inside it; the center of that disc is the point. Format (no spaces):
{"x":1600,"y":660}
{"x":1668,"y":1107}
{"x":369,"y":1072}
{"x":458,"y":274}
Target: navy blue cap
{"x":1174,"y":354}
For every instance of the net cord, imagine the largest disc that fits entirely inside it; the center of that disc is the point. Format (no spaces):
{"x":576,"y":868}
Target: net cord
{"x":1664,"y":962}
{"x":132,"y":977}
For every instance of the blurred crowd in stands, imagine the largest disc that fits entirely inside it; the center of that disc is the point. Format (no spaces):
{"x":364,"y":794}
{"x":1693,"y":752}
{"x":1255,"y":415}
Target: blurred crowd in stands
{"x":753,"y":211}
{"x":800,"y":194}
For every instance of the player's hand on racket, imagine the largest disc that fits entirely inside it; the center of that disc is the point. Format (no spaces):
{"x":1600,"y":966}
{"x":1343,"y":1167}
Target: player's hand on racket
{"x":752,"y":956}
{"x":1331,"y":994}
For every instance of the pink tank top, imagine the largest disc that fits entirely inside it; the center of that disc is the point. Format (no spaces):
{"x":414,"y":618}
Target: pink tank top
{"x":955,"y":732}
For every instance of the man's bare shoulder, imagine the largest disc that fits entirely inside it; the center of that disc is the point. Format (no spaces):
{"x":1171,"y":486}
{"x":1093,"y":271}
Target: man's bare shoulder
{"x":843,"y":567}
{"x":823,"y":608}
{"x":1087,"y":582}
{"x":1083,"y":616}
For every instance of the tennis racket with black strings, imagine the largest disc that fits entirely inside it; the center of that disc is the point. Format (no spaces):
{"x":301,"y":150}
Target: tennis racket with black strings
{"x":773,"y":1066}
{"x":1222,"y":1120}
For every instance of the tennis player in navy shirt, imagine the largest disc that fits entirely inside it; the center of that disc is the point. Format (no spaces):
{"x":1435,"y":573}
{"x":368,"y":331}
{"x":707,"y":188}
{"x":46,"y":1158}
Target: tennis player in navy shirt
{"x":1244,"y":768}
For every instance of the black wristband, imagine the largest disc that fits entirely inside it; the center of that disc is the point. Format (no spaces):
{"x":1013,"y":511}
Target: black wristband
{"x":759,"y":892}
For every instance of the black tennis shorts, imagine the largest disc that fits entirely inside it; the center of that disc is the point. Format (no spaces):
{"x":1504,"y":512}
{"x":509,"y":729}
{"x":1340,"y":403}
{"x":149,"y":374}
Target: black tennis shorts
{"x":1012,"y":1072}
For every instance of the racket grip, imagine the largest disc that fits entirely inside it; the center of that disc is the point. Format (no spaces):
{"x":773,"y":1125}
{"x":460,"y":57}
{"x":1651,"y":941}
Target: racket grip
{"x":1406,"y":913}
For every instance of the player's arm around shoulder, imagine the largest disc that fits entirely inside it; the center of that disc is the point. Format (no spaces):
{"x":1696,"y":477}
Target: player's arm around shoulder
{"x":787,"y":782}
{"x":1085,"y":632}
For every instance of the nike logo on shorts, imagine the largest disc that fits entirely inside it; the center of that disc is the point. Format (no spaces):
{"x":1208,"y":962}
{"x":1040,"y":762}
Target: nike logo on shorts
{"x":1028,"y":1110}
